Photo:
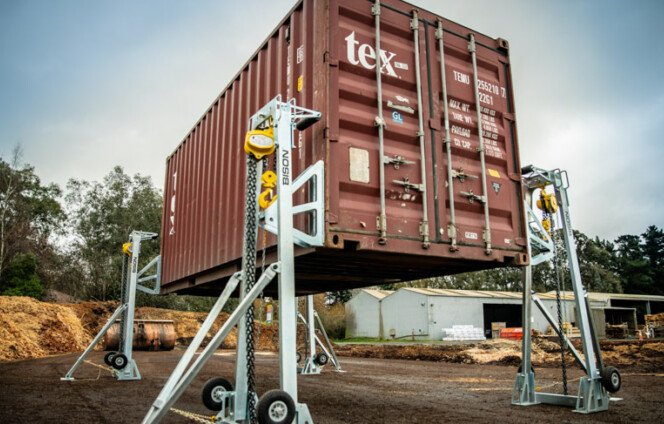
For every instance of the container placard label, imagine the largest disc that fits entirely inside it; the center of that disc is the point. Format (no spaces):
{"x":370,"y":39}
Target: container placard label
{"x":396,"y":117}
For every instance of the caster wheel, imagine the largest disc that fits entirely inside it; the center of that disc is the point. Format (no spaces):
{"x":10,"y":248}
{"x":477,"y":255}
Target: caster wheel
{"x":119,"y":361}
{"x":321,"y":359}
{"x":108,"y":358}
{"x":298,"y":356}
{"x":611,"y":379}
{"x":276,"y":407}
{"x":213,"y":393}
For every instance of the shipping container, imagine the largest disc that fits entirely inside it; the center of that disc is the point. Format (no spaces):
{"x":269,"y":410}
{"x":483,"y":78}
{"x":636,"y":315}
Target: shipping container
{"x":436,"y":178}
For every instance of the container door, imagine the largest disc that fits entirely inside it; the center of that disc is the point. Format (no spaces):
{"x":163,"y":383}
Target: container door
{"x":480,"y":200}
{"x":358,"y":146}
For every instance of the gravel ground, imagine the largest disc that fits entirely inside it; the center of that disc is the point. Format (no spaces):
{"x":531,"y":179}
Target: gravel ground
{"x":370,"y":391}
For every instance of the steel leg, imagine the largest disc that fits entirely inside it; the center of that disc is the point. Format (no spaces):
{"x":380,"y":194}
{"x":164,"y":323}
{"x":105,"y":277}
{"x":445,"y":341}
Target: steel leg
{"x":94,"y":342}
{"x":209,"y":350}
{"x":193,"y":347}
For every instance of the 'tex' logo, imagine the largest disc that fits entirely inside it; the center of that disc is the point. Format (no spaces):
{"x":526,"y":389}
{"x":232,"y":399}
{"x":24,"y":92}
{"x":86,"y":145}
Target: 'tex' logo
{"x":366,"y":56}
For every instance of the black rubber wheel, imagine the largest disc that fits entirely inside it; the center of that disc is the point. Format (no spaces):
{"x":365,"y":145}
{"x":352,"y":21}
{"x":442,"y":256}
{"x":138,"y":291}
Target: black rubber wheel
{"x":119,"y":361}
{"x":276,"y":407}
{"x":611,"y":379}
{"x":213,"y":391}
{"x":321,"y":359}
{"x":532,"y":369}
{"x":108,"y":358}
{"x":298,"y":356}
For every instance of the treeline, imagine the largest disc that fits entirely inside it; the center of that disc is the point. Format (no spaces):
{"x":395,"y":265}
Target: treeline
{"x":71,"y":241}
{"x":629,"y":264}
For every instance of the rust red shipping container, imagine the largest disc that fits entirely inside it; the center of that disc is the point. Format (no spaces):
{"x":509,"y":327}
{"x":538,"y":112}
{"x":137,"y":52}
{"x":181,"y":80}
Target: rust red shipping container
{"x":324,"y":55}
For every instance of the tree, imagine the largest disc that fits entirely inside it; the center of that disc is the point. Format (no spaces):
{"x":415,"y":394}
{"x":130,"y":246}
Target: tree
{"x":102,"y":215}
{"x":29,"y":214}
{"x":20,"y":278}
{"x":342,"y":296}
{"x":640,"y":262}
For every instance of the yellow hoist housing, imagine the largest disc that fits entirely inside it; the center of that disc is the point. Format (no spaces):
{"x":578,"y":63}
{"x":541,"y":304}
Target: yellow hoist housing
{"x":259,"y":143}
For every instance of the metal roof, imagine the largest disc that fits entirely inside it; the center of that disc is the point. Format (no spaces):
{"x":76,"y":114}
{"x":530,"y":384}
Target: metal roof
{"x":378,"y":294}
{"x":619,"y":296}
{"x":492,"y":294}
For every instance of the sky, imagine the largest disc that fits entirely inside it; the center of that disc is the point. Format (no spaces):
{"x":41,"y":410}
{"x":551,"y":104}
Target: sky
{"x":87,"y":85}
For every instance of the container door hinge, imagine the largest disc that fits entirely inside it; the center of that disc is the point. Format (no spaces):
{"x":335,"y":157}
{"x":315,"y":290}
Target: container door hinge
{"x":407,"y":185}
{"x":520,"y":241}
{"x":424,"y":232}
{"x":472,"y":197}
{"x":461,"y":175}
{"x":327,"y":58}
{"x":397,"y":161}
{"x":514,"y":177}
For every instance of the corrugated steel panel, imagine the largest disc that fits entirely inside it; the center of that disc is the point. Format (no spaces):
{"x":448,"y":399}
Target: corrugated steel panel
{"x":322,"y":56}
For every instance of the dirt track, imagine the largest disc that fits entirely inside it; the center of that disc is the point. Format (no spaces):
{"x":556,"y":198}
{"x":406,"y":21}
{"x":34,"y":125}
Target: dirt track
{"x":371,"y":391}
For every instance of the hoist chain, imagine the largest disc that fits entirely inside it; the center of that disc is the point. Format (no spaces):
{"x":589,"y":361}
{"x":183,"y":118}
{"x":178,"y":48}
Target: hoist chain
{"x":124,"y":298}
{"x":561,"y":336}
{"x":263,"y":251}
{"x":249,"y":265}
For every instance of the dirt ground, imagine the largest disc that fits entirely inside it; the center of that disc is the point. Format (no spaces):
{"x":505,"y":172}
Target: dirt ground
{"x":370,"y":391}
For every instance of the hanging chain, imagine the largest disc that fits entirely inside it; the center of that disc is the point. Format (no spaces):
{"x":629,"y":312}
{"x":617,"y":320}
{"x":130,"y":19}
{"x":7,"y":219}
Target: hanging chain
{"x":260,"y":306}
{"x":124,"y":298}
{"x":561,"y":336}
{"x":249,"y":268}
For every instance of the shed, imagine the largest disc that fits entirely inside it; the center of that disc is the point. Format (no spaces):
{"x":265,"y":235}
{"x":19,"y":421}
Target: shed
{"x":642,"y":303}
{"x":364,"y":315}
{"x":422,"y":313}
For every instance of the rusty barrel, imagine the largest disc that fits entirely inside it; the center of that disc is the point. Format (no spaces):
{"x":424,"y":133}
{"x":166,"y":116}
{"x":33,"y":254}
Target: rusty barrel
{"x":149,"y":334}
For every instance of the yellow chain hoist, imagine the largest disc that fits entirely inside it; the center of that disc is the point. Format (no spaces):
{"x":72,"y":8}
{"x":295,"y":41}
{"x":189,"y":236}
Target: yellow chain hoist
{"x":259,"y":142}
{"x":548,"y":204}
{"x":126,"y":249}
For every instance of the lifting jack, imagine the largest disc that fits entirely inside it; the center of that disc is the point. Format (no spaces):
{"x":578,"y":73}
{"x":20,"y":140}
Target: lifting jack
{"x":314,"y":363}
{"x":600,"y":380}
{"x":122,"y":364}
{"x":271,"y":132}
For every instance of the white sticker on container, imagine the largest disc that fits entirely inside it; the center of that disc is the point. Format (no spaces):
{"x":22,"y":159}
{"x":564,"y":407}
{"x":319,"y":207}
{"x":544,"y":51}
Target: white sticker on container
{"x":401,"y":65}
{"x":471,"y":236}
{"x":403,"y":99}
{"x":300,"y":54}
{"x":359,"y":165}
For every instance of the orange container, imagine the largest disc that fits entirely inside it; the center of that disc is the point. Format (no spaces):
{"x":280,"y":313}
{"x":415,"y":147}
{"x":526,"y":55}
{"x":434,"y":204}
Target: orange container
{"x":514,"y":333}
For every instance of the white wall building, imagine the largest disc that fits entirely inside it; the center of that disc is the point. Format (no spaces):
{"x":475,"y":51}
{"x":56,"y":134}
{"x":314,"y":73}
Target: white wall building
{"x":363,"y":314}
{"x":423,"y":313}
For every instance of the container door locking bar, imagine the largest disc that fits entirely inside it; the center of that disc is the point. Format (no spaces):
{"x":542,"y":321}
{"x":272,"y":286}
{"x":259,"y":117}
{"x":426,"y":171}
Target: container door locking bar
{"x":451,"y":228}
{"x":424,"y":224}
{"x":484,"y":197}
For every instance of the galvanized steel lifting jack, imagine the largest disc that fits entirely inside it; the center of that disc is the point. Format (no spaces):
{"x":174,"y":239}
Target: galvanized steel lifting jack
{"x":314,"y":363}
{"x":122,"y":364}
{"x":278,"y":120}
{"x":600,"y":380}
